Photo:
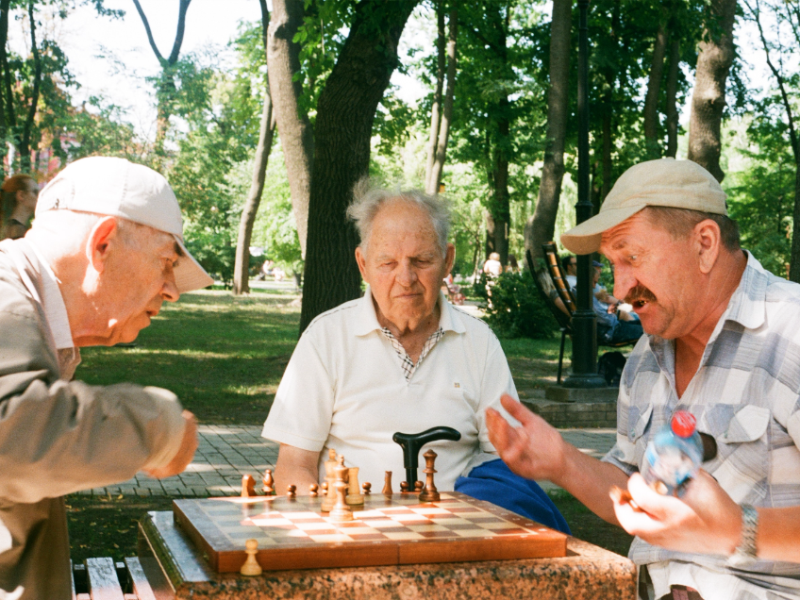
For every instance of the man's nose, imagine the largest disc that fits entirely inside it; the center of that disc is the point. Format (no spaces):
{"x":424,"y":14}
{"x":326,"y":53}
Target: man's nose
{"x":170,"y":291}
{"x":407,"y":275}
{"x":624,"y":282}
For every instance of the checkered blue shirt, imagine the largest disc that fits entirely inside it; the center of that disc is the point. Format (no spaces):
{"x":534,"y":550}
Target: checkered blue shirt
{"x":744,"y":394}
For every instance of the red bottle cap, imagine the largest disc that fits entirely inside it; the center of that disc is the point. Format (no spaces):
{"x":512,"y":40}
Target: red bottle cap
{"x":683,"y":423}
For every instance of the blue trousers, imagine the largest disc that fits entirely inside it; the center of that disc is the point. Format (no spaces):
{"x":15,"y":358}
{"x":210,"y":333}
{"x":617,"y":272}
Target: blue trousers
{"x":494,"y":482}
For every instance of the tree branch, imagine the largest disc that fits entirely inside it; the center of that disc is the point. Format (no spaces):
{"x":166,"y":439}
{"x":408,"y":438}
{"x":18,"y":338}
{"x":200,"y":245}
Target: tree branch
{"x":26,"y":134}
{"x":176,"y":47}
{"x":781,"y":85}
{"x":149,"y":33}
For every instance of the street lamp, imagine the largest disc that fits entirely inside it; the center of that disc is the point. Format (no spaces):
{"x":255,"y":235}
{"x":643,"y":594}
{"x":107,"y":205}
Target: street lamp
{"x":584,"y":322}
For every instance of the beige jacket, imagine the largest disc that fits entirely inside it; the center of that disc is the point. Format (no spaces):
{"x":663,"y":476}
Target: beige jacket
{"x":58,"y":437}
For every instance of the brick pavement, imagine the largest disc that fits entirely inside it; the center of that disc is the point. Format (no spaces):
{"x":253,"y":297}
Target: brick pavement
{"x":225,"y":453}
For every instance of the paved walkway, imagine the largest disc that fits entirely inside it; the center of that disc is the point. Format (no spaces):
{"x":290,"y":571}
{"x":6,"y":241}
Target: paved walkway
{"x":227,"y":452}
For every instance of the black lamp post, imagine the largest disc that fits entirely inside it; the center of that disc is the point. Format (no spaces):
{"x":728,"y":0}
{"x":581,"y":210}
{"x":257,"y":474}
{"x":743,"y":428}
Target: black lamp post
{"x":584,"y":322}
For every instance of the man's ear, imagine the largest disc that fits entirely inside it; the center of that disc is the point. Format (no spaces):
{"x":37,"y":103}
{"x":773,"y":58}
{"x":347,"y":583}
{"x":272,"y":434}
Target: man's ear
{"x":102,"y":239}
{"x":361,"y":261}
{"x":449,"y":258}
{"x":709,"y":239}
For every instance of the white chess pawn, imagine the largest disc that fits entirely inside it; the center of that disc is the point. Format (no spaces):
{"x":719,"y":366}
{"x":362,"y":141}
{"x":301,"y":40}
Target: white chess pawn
{"x":251,"y":566}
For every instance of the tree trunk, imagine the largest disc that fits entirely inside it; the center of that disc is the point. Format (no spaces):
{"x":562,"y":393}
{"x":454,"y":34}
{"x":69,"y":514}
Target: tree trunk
{"x":653,"y":89}
{"x":447,"y":113}
{"x":672,"y":93}
{"x":541,"y":226}
{"x":294,"y":128}
{"x":345,"y":113}
{"x":501,"y":211}
{"x":436,"y":107}
{"x":708,"y":100}
{"x":25,"y":138}
{"x":241,"y":268}
{"x":165,"y":92}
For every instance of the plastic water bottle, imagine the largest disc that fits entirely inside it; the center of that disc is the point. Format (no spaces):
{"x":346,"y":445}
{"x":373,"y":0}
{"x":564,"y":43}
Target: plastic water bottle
{"x":674,"y":455}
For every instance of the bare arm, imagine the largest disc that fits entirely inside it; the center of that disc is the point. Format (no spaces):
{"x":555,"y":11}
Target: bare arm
{"x":295,"y":466}
{"x":706,"y":520}
{"x":537,"y":451}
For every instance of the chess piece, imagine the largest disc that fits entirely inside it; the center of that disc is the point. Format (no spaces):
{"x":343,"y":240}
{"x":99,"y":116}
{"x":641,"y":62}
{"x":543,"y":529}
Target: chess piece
{"x":312,"y":490}
{"x":430,"y":493}
{"x":418,"y":486}
{"x":248,"y":486}
{"x":387,"y":484}
{"x":341,"y":512}
{"x":269,"y":483}
{"x":251,"y":567}
{"x":354,"y":497}
{"x":324,"y":487}
{"x":367,"y":487}
{"x":291,"y":491}
{"x":330,"y":481}
{"x":403,"y":487}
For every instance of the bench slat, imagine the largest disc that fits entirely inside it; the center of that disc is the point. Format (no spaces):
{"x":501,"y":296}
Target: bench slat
{"x":141,"y":585}
{"x":103,"y":580}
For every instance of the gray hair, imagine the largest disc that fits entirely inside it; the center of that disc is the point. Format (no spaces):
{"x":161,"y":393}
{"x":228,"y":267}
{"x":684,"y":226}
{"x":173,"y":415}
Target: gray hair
{"x":368,"y":199}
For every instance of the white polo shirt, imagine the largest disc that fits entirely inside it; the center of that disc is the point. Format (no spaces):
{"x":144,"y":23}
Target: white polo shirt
{"x":344,"y":388}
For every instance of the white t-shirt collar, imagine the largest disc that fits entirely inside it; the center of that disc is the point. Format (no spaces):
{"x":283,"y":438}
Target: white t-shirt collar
{"x":55,"y":310}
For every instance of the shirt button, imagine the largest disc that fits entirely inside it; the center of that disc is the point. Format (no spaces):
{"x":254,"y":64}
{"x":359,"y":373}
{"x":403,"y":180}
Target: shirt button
{"x":633,"y":432}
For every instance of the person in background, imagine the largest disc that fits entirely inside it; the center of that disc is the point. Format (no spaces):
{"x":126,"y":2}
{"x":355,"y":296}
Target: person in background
{"x":19,"y":194}
{"x":513,"y":265}
{"x":493,"y":267}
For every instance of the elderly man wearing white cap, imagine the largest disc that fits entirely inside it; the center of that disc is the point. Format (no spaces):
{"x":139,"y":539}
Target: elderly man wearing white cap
{"x":104,"y":253}
{"x":723,"y":342}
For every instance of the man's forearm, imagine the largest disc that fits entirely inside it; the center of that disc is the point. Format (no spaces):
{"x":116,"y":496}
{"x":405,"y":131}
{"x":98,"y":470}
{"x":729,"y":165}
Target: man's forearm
{"x":589,"y":480}
{"x":778,"y":532}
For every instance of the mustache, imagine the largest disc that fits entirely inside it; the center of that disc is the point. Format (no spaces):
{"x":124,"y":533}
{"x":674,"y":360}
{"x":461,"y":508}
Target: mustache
{"x":639,"y":293}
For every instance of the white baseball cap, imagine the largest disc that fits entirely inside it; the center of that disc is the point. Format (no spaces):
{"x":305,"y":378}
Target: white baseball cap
{"x":661,"y":182}
{"x":120,"y":188}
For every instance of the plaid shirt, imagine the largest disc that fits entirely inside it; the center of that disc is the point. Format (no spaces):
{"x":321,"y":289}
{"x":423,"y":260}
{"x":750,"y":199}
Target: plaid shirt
{"x":406,"y":363}
{"x":744,"y":394}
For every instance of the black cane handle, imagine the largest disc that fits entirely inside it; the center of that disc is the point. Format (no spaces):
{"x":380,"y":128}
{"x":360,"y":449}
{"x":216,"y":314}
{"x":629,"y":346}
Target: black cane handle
{"x":412,"y":442}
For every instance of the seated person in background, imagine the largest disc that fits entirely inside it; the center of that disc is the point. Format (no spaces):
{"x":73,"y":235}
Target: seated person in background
{"x":613,"y":326}
{"x":19,"y":194}
{"x":570,"y":265}
{"x":400,"y":358}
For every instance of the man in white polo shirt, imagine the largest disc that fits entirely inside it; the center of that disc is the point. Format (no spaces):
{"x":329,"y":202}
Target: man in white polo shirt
{"x":400,"y":359}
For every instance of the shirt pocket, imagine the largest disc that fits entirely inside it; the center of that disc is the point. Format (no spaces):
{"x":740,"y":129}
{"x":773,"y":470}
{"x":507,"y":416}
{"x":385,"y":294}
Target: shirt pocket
{"x":741,"y":432}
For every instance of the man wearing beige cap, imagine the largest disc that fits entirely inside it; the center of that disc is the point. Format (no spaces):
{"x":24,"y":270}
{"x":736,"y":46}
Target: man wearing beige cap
{"x":722,"y":342}
{"x":104,"y":253}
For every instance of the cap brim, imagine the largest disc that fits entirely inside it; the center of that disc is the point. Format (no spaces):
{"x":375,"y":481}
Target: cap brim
{"x":189,"y":275}
{"x":586,"y":237}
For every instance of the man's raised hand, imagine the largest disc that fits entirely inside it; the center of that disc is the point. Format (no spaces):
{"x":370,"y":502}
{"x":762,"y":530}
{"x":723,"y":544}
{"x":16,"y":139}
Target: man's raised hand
{"x":534,"y":450}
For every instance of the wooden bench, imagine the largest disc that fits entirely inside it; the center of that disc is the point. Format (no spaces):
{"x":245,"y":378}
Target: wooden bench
{"x":103,"y":579}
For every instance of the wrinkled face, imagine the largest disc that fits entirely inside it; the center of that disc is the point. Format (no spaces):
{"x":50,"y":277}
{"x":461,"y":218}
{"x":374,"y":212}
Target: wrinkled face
{"x":657,"y":274}
{"x":404,"y":265}
{"x":137,"y":279}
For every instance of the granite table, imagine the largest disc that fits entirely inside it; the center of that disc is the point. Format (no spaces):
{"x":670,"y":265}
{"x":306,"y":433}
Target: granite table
{"x":177,"y":570}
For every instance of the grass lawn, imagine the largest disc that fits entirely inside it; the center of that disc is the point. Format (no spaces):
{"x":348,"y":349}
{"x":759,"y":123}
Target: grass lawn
{"x":224,"y":357}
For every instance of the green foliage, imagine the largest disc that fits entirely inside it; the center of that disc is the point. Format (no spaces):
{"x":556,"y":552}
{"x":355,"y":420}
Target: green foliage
{"x":761,"y":195}
{"x":514,"y":306}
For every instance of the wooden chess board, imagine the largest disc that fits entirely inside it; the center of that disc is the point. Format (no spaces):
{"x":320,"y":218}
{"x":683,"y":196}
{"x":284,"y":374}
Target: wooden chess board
{"x":293,"y":533}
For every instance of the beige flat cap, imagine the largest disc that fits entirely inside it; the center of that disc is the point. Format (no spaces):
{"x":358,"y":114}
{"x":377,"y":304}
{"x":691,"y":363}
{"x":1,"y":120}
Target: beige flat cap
{"x":663,"y":182}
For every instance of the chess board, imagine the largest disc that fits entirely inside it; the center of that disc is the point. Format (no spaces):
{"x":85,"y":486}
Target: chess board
{"x":293,"y":533}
